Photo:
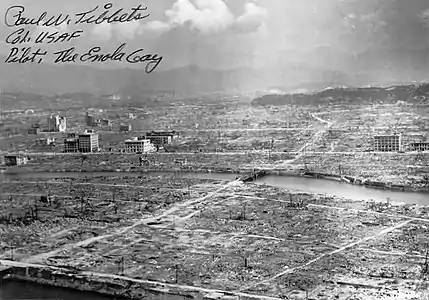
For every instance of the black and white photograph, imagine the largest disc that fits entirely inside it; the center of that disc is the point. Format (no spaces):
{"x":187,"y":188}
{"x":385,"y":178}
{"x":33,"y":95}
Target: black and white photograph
{"x":214,"y":149}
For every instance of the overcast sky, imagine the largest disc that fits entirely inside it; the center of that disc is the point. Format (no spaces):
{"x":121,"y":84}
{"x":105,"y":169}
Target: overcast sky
{"x":249,"y":33}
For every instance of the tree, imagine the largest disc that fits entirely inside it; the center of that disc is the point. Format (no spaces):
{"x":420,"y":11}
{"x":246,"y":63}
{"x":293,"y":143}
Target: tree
{"x":83,"y":159}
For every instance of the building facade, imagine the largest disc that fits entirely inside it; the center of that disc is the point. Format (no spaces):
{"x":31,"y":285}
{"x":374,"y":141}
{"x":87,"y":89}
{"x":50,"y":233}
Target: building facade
{"x":15,"y":160}
{"x":57,"y":124}
{"x":47,"y":141}
{"x":136,"y":145}
{"x":419,"y":146}
{"x":71,"y":143}
{"x":161,"y":138}
{"x":88,"y":142}
{"x":91,"y":121}
{"x":387,"y":143}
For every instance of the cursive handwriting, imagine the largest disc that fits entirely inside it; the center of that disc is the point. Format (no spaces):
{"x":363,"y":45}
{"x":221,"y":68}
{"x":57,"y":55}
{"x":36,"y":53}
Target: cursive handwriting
{"x":22,"y":36}
{"x":14,"y":17}
{"x":118,"y":16}
{"x":19,"y":36}
{"x":95,"y":54}
{"x":24,"y":55}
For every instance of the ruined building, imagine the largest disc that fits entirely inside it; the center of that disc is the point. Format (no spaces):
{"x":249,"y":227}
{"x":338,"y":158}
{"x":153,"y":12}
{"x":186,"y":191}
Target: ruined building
{"x":387,"y":143}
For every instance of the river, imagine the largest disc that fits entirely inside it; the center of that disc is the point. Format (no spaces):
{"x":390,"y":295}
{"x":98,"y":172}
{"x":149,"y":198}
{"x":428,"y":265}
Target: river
{"x":21,"y":290}
{"x":295,"y":183}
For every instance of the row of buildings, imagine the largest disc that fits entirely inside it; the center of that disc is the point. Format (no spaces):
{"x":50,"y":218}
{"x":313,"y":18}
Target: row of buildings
{"x":151,"y":141}
{"x":89,"y":142}
{"x":54,"y":124}
{"x":394,"y":143}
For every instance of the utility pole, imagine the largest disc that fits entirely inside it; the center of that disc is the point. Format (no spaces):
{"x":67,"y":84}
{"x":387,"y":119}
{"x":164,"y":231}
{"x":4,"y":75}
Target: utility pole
{"x":121,"y":266}
{"x":1,"y":106}
{"x":426,"y":270}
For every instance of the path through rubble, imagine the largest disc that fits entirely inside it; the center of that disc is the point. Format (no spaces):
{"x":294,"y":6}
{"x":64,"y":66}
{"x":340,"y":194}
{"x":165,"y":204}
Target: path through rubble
{"x":288,"y":271}
{"x":169,"y":212}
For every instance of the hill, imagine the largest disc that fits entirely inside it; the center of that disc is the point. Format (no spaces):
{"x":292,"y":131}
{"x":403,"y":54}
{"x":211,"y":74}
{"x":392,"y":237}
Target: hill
{"x":50,"y":79}
{"x":348,"y":95}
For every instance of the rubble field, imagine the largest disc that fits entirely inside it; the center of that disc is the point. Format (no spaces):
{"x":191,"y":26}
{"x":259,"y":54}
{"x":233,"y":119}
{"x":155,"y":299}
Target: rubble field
{"x":82,"y":207}
{"x":354,"y":127}
{"x":227,"y":236}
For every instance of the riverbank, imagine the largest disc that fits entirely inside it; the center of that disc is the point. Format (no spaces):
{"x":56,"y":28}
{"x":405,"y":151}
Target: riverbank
{"x":396,"y":169}
{"x":120,"y":287}
{"x":245,"y":175}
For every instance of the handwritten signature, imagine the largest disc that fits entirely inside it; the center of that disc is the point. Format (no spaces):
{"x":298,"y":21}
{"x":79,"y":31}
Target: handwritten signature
{"x":95,"y":55}
{"x":15,"y":17}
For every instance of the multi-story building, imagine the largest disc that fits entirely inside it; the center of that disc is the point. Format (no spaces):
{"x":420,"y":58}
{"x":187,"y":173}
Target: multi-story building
{"x":161,"y":138}
{"x":419,"y":146}
{"x":57,"y":124}
{"x":88,"y":141}
{"x":387,"y":143}
{"x":125,"y":128}
{"x":71,"y":143}
{"x":136,"y":145}
{"x":15,"y":160}
{"x":91,"y":121}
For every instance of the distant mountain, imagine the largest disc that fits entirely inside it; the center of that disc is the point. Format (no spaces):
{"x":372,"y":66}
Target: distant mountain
{"x":323,"y":68}
{"x":51,"y":79}
{"x":348,"y":95}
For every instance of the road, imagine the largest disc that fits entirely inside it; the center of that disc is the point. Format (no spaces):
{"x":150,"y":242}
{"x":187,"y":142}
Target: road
{"x":291,"y":270}
{"x":11,"y":263}
{"x":168,"y":213}
{"x":243,"y":152}
{"x":314,"y":139}
{"x":251,"y":129}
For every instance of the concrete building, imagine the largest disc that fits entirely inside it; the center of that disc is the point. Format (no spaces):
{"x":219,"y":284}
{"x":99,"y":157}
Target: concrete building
{"x":57,"y":124}
{"x":47,"y":141}
{"x":33,"y":130}
{"x":88,"y":141}
{"x":161,"y":138}
{"x":387,"y":143}
{"x":15,"y":160}
{"x":419,"y":146}
{"x":141,"y":145}
{"x":91,"y":121}
{"x":125,"y":128}
{"x":71,"y":143}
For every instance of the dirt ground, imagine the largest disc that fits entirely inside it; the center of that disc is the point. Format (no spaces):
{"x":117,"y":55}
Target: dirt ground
{"x":227,"y":236}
